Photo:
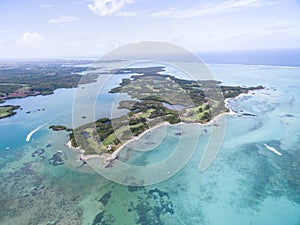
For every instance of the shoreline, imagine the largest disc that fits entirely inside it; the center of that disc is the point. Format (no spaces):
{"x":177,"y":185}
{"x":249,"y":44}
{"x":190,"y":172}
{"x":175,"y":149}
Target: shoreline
{"x":109,"y":157}
{"x":81,"y":152}
{"x":114,"y":155}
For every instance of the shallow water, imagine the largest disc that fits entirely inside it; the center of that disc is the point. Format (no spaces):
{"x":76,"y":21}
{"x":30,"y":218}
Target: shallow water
{"x":246,"y":183}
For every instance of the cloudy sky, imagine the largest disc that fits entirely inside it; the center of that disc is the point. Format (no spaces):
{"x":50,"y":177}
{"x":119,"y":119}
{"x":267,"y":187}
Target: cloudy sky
{"x":67,"y":28}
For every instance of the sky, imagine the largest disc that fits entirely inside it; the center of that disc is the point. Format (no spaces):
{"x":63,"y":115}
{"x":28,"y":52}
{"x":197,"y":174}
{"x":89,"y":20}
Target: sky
{"x":83,"y":28}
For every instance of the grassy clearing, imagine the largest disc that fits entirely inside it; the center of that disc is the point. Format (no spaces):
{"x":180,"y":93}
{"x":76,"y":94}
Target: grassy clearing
{"x":7,"y":110}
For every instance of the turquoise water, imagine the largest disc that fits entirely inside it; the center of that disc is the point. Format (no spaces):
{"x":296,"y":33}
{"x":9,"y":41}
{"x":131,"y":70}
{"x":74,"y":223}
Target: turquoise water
{"x":246,"y":184}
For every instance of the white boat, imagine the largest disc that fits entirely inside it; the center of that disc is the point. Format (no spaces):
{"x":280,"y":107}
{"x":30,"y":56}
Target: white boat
{"x":272,"y":149}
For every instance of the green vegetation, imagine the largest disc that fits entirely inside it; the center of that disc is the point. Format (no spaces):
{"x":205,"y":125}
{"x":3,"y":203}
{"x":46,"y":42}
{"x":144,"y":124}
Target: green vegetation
{"x":199,"y":101}
{"x":39,"y":79}
{"x":8,"y":88}
{"x":232,"y":92}
{"x":59,"y":128}
{"x":7,"y":110}
{"x":23,"y":79}
{"x":73,"y":141}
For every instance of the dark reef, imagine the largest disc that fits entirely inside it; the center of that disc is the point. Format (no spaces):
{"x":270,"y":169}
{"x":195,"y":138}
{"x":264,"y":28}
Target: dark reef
{"x":57,"y":159}
{"x":38,"y":152}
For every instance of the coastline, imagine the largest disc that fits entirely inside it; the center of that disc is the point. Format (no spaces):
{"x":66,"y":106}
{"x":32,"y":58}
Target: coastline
{"x":81,"y":152}
{"x":115,"y":153}
{"x":10,"y":110}
{"x":110,"y":157}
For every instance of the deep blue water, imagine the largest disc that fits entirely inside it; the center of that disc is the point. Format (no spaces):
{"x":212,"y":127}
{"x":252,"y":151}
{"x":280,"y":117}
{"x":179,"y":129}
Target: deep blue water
{"x":272,"y":57}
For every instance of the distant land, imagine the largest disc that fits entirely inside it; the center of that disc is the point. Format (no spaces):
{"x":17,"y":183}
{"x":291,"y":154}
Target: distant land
{"x":30,"y":78}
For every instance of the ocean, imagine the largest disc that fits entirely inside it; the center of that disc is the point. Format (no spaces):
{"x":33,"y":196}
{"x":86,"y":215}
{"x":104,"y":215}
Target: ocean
{"x":245,"y":184}
{"x":270,"y":57}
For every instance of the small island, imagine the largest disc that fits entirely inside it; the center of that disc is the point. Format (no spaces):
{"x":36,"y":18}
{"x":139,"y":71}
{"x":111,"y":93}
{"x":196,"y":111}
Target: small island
{"x":59,"y":128}
{"x":157,"y":99}
{"x":8,"y":110}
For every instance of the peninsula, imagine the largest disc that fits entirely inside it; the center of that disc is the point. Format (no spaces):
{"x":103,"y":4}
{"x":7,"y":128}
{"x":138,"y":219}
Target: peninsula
{"x":156,"y":99}
{"x":8,"y":110}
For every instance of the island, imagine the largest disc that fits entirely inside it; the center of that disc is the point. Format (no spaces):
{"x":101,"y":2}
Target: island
{"x":59,"y":128}
{"x":8,"y":110}
{"x":156,"y":99}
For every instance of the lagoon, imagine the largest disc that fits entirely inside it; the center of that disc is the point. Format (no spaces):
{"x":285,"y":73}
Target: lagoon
{"x":246,"y":184}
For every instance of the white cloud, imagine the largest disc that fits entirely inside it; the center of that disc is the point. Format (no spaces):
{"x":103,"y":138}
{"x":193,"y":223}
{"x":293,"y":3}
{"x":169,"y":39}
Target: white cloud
{"x":281,"y":26}
{"x":78,"y":3}
{"x":128,"y":13}
{"x":213,"y":8}
{"x":46,"y":6}
{"x":64,"y":20}
{"x":32,"y":39}
{"x":107,"y":7}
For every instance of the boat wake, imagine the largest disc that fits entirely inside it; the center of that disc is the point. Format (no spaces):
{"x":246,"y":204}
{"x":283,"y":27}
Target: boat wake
{"x":272,"y":149}
{"x":32,"y":132}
